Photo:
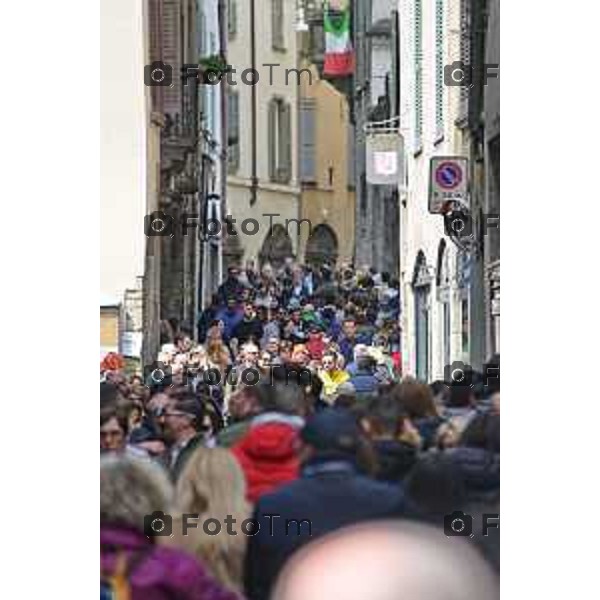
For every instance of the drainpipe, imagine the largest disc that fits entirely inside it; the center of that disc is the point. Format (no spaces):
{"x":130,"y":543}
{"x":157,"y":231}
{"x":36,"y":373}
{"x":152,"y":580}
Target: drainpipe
{"x":254,"y":182}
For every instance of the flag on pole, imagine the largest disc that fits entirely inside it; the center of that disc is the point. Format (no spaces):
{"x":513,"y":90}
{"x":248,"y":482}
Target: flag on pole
{"x":339,"y":53}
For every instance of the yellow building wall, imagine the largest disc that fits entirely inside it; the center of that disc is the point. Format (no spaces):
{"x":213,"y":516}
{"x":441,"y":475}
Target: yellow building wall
{"x":109,"y":328}
{"x":324,"y":203}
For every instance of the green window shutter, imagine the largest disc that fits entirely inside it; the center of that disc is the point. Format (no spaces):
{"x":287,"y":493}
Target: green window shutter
{"x":439,"y":69}
{"x":277,"y":24}
{"x":232,"y":18}
{"x":272,"y":134}
{"x":418,"y":68}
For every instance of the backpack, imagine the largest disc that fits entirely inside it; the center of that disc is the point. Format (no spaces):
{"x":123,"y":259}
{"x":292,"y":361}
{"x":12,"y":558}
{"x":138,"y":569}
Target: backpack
{"x":116,"y":585}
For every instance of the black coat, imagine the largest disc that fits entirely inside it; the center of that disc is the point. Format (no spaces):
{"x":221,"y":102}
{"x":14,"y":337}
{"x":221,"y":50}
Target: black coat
{"x":247,"y":329}
{"x":395,"y":459}
{"x":330,"y":495}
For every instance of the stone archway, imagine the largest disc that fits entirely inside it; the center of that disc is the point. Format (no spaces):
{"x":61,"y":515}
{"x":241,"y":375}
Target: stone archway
{"x":322,"y":246}
{"x":276,"y":247}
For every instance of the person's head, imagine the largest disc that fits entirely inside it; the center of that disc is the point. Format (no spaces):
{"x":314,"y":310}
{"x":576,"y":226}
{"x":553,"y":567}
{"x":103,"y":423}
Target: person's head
{"x":231,"y":304}
{"x":349,"y":328}
{"x":439,"y":389}
{"x":272,"y":345}
{"x":415,"y":398}
{"x":285,"y":395}
{"x":461,"y":396}
{"x":245,"y":403}
{"x":211,"y":481}
{"x":436,"y":485}
{"x":233,"y":273}
{"x":334,"y":434}
{"x":114,"y":427}
{"x":130,"y":489}
{"x":384,"y":419}
{"x":329,"y":362}
{"x":249,"y":311}
{"x":362,"y":562}
{"x":250,"y":353}
{"x":110,"y":394}
{"x":183,"y":417}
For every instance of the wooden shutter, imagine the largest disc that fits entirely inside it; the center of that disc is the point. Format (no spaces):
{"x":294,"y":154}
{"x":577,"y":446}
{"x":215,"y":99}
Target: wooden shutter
{"x":465,"y":53}
{"x":285,"y":142}
{"x":306,"y":134}
{"x":155,"y":48}
{"x":171,"y":53}
{"x":272,"y":128}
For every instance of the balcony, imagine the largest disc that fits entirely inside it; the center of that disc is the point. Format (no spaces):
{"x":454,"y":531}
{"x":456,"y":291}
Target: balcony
{"x":179,"y":135}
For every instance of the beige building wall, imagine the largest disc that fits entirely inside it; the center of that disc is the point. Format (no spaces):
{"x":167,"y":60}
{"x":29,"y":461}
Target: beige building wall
{"x":420,"y":230}
{"x":329,"y":202}
{"x":123,"y":147}
{"x":272,"y":197}
{"x":130,"y":167}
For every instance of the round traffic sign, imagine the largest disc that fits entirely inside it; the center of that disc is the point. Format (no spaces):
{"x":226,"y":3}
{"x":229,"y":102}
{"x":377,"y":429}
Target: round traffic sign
{"x":448,"y":175}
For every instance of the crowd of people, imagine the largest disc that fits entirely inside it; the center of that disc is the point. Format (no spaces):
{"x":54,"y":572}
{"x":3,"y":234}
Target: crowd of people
{"x":288,"y":432}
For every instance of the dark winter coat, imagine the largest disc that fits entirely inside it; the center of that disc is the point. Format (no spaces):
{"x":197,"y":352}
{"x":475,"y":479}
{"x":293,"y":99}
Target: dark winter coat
{"x":329,"y":495}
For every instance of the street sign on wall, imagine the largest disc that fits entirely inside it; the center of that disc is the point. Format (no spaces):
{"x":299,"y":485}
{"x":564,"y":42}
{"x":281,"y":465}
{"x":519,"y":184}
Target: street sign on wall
{"x":448,"y":181}
{"x":385,"y":158}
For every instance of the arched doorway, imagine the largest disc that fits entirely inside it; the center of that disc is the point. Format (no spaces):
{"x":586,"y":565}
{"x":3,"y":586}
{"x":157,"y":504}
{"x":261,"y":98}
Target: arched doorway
{"x":276,"y":247}
{"x":322,"y":246}
{"x":421,"y":284}
{"x":443,"y":297}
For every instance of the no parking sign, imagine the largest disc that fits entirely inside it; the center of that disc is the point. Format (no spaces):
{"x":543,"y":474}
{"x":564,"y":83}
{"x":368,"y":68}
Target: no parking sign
{"x":449,"y":178}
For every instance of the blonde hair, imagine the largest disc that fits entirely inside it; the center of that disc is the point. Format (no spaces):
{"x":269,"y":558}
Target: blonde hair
{"x":212,"y":484}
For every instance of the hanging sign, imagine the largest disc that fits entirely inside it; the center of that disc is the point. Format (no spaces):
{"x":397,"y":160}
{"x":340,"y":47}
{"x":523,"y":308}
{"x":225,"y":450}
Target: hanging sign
{"x":385,"y":158}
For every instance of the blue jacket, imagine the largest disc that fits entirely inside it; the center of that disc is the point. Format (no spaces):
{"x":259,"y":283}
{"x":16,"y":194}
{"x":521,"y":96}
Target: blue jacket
{"x":364,"y":382}
{"x":329,"y":495}
{"x":230,"y":319}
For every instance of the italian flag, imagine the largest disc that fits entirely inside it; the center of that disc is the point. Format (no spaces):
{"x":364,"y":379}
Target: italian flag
{"x":339,"y":54}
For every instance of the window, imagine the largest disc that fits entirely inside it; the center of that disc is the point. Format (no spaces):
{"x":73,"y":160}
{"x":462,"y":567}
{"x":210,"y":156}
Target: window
{"x":232,"y":18}
{"x":465,"y":55}
{"x":280,"y":142}
{"x":277,"y":25}
{"x":439,"y":70}
{"x":418,"y":65}
{"x":351,"y":157}
{"x":233,"y":128}
{"x":306,"y":134}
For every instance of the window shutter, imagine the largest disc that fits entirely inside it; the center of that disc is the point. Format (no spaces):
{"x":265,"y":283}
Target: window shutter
{"x":233,"y":138}
{"x":232,"y":18}
{"x":439,"y":69}
{"x":351,"y":145}
{"x":155,"y":19}
{"x":272,"y":140}
{"x":465,"y":54}
{"x":306,"y":134}
{"x":171,"y":53}
{"x":285,"y":141}
{"x":277,"y":18}
{"x":418,"y":64}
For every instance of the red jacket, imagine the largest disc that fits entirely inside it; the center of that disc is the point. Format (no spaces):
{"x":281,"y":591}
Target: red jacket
{"x":268,"y":455}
